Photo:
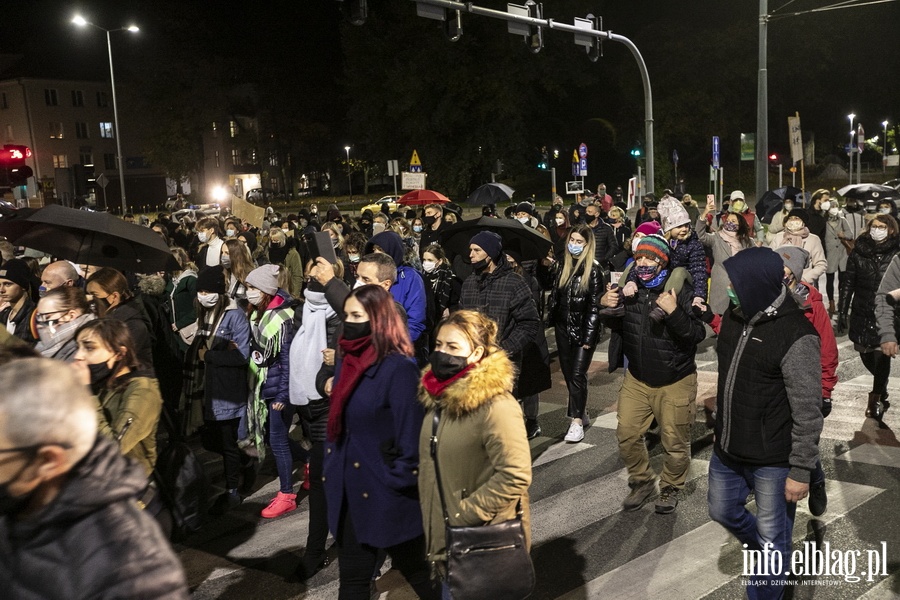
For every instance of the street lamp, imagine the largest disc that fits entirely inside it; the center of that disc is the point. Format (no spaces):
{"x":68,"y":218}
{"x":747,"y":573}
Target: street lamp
{"x":884,"y":149}
{"x":349,"y":179}
{"x":82,"y":22}
{"x":851,"y":116}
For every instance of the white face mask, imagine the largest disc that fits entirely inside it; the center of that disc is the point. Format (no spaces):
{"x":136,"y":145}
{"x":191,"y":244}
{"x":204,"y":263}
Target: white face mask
{"x":884,"y":211}
{"x":254,"y":297}
{"x":788,"y":207}
{"x":358,"y":284}
{"x":879,"y":235}
{"x":207,"y":300}
{"x":560,"y":222}
{"x":794,"y":225}
{"x":230,"y":232}
{"x":428,"y":265}
{"x":377,"y":228}
{"x":523,"y":220}
{"x":833,"y":211}
{"x":202,"y":237}
{"x":285,"y":231}
{"x":825,"y":205}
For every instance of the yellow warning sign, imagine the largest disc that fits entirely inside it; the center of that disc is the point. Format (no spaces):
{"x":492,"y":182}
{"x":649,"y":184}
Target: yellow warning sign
{"x":414,"y":161}
{"x":575,"y":156}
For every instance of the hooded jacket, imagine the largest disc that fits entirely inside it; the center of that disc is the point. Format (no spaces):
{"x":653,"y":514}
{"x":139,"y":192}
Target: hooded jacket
{"x":409,"y":288}
{"x":484,"y":455}
{"x":92,"y":540}
{"x":134,"y":315}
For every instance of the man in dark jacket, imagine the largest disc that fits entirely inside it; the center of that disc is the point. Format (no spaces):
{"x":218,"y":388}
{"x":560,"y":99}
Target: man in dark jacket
{"x":433,"y":219}
{"x":661,"y":381}
{"x":67,"y":488}
{"x":768,"y":416}
{"x":495,"y":290}
{"x":605,"y":244}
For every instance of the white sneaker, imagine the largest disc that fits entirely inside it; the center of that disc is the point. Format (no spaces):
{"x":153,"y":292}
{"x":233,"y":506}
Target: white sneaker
{"x":575,"y":433}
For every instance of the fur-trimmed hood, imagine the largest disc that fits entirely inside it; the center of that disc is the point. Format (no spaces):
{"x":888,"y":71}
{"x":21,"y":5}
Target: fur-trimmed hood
{"x":493,"y":376}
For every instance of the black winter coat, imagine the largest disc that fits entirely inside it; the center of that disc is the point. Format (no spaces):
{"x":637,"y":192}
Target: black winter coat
{"x":659,"y":353}
{"x":577,"y":313}
{"x":92,"y":541}
{"x":133,"y":313}
{"x":605,"y":242}
{"x":865,"y":268}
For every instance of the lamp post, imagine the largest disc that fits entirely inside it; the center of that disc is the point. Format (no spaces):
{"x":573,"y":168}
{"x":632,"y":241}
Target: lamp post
{"x":884,"y":149}
{"x":349,"y":179}
{"x":81,"y":22}
{"x":851,"y":116}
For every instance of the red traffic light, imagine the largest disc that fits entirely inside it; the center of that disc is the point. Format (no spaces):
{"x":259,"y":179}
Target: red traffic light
{"x":773,"y":157}
{"x":14,"y":156}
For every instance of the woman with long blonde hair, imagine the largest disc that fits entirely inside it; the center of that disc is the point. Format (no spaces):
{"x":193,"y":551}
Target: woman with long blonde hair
{"x":574,"y":311}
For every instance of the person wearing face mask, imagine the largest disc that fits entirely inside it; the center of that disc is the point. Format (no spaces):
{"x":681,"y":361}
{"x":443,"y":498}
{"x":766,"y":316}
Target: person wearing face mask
{"x":215,"y":380}
{"x":796,"y":233}
{"x":576,"y":210}
{"x":129,"y":403}
{"x":272,"y":324}
{"x":236,"y":264}
{"x":433,"y":220}
{"x":64,"y":486}
{"x":59,"y":314}
{"x":112,"y":297}
{"x":618,"y":220}
{"x":16,"y":305}
{"x":574,"y":311}
{"x":371,"y":449}
{"x":740,"y":207}
{"x":209,"y":234}
{"x":625,"y":256}
{"x":495,"y":290}
{"x":559,"y":230}
{"x":354,"y":244}
{"x":731,"y":237}
{"x":468,"y":388}
{"x":605,"y":245}
{"x":182,"y":313}
{"x":661,"y":377}
{"x":556,"y":207}
{"x":778,"y":219}
{"x":836,"y":229}
{"x":418,"y":226}
{"x":817,"y":211}
{"x":444,"y":282}
{"x":281,"y":253}
{"x":866,"y":267}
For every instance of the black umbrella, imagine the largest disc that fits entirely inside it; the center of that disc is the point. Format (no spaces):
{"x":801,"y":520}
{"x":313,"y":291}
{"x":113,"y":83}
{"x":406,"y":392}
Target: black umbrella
{"x":871,"y":192}
{"x":91,"y":238}
{"x":527,"y":242}
{"x":772,"y":201}
{"x":491,"y":193}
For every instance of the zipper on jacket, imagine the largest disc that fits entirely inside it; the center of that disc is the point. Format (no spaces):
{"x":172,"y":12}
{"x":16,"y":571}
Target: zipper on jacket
{"x":729,"y":386}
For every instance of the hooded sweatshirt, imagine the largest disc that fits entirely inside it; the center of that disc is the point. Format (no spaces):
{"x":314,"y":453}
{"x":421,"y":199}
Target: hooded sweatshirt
{"x":409,"y":288}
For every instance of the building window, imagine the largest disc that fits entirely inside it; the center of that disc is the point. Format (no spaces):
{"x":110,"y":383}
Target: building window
{"x":109,"y":161}
{"x":4,"y":104}
{"x":50,"y":97}
{"x":217,"y":158}
{"x":81,"y":131}
{"x":85,"y":157}
{"x":56,"y":131}
{"x":102,"y":100}
{"x":77,"y":98}
{"x":215,"y":129}
{"x":235,"y":157}
{"x":233,"y":128}
{"x":273,"y":160}
{"x":60,"y":161}
{"x":106,"y":129}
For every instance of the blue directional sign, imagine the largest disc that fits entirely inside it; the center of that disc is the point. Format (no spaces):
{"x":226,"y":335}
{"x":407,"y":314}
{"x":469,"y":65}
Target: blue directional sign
{"x":575,"y":170}
{"x":715,"y":152}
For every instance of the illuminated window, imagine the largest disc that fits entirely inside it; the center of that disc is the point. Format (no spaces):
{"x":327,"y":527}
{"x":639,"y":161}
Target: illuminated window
{"x":233,"y":128}
{"x":106,"y":129}
{"x":217,"y":158}
{"x":56,"y":131}
{"x":235,"y":157}
{"x":60,"y":161}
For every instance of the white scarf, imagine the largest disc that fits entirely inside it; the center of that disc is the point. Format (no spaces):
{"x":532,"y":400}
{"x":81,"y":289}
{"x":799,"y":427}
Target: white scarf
{"x":307,"y":346}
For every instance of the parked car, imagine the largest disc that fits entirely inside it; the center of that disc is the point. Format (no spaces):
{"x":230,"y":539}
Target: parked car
{"x":376,"y":206}
{"x":255,"y":196}
{"x":195,"y":213}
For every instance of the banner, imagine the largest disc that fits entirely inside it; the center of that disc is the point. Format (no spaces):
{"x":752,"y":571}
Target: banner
{"x":796,"y":138}
{"x":245,"y":211}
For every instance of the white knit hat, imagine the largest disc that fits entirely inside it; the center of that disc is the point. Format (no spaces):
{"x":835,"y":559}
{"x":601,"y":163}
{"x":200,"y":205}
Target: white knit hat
{"x":673,"y":213}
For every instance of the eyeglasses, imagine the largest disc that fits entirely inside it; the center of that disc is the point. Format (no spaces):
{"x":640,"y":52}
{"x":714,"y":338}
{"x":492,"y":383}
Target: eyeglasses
{"x":42,"y":317}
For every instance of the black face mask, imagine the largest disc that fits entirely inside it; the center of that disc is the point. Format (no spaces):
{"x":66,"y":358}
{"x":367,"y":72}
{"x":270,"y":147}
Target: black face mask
{"x":481,"y":265}
{"x":100,"y":374}
{"x":428,"y":220}
{"x":354,"y":331}
{"x":10,"y":504}
{"x":315,"y":286}
{"x":444,"y":366}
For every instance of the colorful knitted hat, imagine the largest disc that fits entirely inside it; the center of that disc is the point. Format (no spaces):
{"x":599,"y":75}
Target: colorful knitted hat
{"x":654,"y":247}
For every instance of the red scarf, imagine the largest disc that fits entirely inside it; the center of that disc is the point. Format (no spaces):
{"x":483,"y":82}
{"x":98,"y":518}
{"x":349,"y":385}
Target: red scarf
{"x":359,"y":355}
{"x":436,"y":387}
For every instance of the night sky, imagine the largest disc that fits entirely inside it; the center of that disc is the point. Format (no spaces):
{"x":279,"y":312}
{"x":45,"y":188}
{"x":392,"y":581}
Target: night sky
{"x":848,"y":60}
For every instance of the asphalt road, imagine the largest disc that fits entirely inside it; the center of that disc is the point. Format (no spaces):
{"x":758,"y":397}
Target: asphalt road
{"x":586,"y":547}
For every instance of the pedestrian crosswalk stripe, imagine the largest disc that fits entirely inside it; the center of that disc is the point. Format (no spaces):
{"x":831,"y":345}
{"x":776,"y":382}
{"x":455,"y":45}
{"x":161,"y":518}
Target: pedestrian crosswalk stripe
{"x":558,"y":451}
{"x":873,"y":454}
{"x":678,"y":570}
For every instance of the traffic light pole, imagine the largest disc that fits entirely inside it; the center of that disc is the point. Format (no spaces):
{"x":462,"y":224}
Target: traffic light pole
{"x":469,"y":7}
{"x":112,"y":81}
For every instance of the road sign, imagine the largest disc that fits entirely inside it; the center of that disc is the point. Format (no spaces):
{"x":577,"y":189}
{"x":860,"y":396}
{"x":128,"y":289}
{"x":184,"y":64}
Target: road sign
{"x":675,"y":156}
{"x":415,"y":166}
{"x":102,"y":180}
{"x":582,"y":167}
{"x":715,"y":152}
{"x":393,"y":168}
{"x":412,"y":181}
{"x":582,"y":151}
{"x":575,"y":169}
{"x":861,"y":138}
{"x":748,"y":146}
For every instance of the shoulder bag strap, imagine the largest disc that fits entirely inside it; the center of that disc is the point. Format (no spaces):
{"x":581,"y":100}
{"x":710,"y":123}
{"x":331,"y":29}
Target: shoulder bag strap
{"x":437,"y":471}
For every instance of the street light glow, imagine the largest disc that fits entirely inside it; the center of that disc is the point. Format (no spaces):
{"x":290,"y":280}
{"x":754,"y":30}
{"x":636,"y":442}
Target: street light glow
{"x":851,"y":116}
{"x":79,"y":20}
{"x":347,"y":148}
{"x":133,"y":28}
{"x":884,"y":123}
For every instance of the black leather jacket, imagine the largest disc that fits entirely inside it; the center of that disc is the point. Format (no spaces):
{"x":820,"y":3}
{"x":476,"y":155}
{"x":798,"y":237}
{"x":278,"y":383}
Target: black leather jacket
{"x":576,"y":312}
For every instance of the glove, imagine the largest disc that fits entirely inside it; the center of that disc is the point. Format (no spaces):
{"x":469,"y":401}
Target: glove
{"x":826,"y":407}
{"x":842,"y":323}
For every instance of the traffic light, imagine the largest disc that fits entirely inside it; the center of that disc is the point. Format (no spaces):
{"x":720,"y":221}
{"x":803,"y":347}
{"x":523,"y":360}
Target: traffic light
{"x":544,"y":162}
{"x":12,"y":163}
{"x":773,"y":157}
{"x":19,"y":175}
{"x":636,"y":152}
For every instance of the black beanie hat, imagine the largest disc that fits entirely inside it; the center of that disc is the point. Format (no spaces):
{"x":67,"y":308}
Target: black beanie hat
{"x":756,"y":276}
{"x":212,"y":280}
{"x":17,"y":271}
{"x":490,"y":242}
{"x":799,"y":213}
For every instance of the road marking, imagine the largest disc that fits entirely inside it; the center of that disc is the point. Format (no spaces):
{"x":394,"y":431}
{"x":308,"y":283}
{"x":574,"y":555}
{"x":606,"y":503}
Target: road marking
{"x":690,"y":567}
{"x":560,"y":450}
{"x":873,"y":454}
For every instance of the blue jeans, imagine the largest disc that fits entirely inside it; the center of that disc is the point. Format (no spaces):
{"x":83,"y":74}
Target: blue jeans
{"x":773,"y":523}
{"x":284,"y":449}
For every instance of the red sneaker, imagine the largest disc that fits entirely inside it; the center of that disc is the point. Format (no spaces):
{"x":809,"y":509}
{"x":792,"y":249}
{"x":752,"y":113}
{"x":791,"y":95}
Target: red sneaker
{"x":282,"y":504}
{"x":305,"y":484}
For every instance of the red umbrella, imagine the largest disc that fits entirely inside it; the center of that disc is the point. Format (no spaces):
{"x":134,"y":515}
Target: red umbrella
{"x":422,"y":197}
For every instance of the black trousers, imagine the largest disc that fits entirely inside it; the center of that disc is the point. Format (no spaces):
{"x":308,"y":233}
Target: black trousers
{"x":573,"y":362}
{"x":357,"y":563}
{"x":221,"y":437}
{"x":318,"y":510}
{"x":879,"y":365}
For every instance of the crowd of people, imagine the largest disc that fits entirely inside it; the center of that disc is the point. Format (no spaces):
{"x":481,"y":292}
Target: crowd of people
{"x":257,"y":340}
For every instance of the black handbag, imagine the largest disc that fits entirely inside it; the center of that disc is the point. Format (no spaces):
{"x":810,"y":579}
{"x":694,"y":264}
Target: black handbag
{"x":485,"y":561}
